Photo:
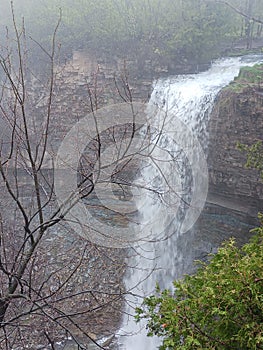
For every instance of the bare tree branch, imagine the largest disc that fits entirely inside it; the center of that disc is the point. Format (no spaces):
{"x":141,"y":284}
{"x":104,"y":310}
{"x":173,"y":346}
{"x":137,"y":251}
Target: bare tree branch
{"x":237,"y":10}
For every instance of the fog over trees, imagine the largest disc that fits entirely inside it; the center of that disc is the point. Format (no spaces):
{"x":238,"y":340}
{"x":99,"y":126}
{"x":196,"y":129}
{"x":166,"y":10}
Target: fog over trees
{"x":49,"y":291}
{"x":176,"y":28}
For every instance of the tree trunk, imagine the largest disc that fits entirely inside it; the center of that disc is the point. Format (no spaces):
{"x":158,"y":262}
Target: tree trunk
{"x":3,"y":308}
{"x":248,"y":24}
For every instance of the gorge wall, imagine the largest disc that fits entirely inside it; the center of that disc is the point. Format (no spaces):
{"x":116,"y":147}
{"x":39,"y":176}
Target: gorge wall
{"x":237,"y":117}
{"x":235,"y":192}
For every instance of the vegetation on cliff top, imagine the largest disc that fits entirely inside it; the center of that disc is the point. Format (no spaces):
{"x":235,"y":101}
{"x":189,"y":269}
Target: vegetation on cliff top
{"x":249,"y":77}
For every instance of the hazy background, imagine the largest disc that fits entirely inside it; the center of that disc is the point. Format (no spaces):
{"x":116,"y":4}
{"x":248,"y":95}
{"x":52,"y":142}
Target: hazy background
{"x":181,"y":29}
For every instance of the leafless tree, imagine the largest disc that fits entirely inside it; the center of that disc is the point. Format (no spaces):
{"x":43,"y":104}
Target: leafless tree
{"x":47,"y":279}
{"x":57,"y":285}
{"x":249,"y":18}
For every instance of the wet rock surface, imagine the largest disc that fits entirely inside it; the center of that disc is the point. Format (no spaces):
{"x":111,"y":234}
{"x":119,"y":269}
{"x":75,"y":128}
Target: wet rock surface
{"x":237,"y":117}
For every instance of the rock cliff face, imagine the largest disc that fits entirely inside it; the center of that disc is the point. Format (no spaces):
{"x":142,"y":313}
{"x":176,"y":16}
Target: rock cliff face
{"x":237,"y":117}
{"x":235,"y":193}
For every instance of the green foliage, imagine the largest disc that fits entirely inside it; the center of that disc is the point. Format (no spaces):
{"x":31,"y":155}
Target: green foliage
{"x":248,"y":77}
{"x":253,"y":75}
{"x":254,"y":155}
{"x":220,"y":307}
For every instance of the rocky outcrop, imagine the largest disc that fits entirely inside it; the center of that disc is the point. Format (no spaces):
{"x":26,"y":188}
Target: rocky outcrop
{"x":237,"y":117}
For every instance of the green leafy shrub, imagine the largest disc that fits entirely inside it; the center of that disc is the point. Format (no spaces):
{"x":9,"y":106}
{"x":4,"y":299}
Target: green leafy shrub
{"x":220,"y":307}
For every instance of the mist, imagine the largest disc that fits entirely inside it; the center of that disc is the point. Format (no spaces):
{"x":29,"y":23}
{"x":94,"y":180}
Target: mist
{"x":119,"y":167}
{"x":183,"y":31}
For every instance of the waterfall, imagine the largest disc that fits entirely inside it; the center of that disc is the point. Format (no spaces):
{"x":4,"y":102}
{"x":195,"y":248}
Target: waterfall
{"x":181,"y":106}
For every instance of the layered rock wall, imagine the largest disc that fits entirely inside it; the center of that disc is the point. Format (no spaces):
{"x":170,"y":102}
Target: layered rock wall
{"x":237,"y":117}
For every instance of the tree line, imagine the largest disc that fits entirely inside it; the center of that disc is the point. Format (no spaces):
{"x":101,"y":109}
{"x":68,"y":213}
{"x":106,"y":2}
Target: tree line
{"x":178,"y":29}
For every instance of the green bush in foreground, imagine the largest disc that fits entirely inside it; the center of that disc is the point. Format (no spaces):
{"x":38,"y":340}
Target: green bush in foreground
{"x":220,"y":307}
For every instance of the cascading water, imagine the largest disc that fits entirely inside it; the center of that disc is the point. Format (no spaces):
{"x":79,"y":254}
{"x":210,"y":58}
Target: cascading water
{"x":180,"y":105}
